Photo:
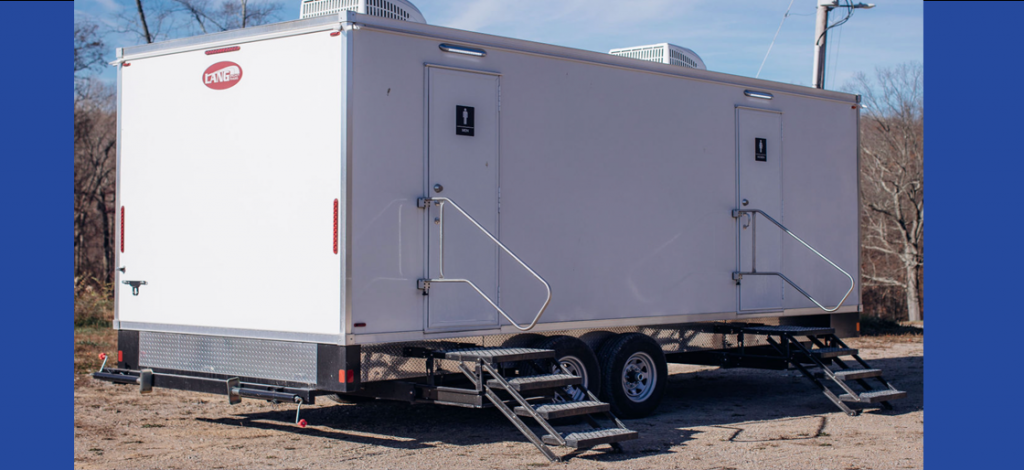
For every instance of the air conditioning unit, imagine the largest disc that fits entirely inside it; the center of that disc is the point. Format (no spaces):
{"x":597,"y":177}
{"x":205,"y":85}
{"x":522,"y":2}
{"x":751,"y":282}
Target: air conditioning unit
{"x":664,"y":53}
{"x":393,"y":9}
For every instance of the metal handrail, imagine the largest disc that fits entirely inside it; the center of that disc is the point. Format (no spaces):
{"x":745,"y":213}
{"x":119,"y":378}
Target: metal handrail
{"x":441,"y":201}
{"x":736,"y":213}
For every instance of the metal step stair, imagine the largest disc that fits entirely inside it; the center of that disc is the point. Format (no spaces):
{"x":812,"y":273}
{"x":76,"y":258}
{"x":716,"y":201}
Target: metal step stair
{"x":493,"y":355}
{"x":478,"y":365}
{"x":825,"y":349}
{"x":537,"y":382}
{"x":876,"y":396}
{"x":586,"y":440}
{"x":565,"y":410}
{"x":855,"y":374}
{"x":829,"y":353}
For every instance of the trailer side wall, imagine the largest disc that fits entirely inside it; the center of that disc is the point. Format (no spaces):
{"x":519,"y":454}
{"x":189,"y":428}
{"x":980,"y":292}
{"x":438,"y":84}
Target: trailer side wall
{"x":616,"y":185}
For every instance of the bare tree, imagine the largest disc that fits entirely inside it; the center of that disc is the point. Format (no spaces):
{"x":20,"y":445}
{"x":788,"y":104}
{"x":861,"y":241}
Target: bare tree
{"x":235,"y":14}
{"x":892,"y":181}
{"x":177,"y":18}
{"x":95,"y":159}
{"x":150,"y":21}
{"x":88,"y":46}
{"x":142,"y":22}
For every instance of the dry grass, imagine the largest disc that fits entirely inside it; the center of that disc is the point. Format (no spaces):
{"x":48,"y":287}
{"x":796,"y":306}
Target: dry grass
{"x":94,"y":312}
{"x":89,"y":343}
{"x":94,"y":304}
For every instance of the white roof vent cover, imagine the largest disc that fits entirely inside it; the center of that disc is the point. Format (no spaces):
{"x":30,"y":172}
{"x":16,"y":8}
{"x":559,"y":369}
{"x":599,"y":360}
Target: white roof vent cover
{"x":663,"y":53}
{"x":393,"y":9}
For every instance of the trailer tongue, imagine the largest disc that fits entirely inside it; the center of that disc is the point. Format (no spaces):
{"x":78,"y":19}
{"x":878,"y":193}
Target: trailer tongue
{"x":536,"y":395}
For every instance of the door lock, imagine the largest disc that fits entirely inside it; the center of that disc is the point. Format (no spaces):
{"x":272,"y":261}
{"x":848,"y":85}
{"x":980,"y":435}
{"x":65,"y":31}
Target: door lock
{"x":438,"y":188}
{"x":745,"y":202}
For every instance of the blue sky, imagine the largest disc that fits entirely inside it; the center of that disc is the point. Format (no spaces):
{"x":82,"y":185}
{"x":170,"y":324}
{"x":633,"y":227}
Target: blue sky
{"x":731,"y":37}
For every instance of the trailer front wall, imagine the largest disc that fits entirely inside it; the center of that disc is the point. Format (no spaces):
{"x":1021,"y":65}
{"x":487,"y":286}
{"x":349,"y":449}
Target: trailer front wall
{"x":228,"y":194}
{"x":616,"y":186}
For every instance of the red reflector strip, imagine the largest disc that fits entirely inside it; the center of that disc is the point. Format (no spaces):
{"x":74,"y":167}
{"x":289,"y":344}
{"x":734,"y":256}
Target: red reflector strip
{"x":358,"y":325}
{"x":336,"y":33}
{"x":120,"y":356}
{"x":335,"y":226}
{"x":126,"y":64}
{"x":223,"y":50}
{"x":122,"y":229}
{"x":346,"y":376}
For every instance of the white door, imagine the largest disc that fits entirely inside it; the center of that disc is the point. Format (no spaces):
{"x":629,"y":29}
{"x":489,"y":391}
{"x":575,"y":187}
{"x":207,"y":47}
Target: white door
{"x":759,"y":150}
{"x":462,"y":166}
{"x":229,"y":214}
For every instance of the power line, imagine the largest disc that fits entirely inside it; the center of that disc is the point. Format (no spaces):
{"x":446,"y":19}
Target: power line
{"x":773,"y":39}
{"x":849,"y":13}
{"x":835,"y":59}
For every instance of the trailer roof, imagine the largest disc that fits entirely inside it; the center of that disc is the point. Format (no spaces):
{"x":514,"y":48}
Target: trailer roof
{"x":347,"y":19}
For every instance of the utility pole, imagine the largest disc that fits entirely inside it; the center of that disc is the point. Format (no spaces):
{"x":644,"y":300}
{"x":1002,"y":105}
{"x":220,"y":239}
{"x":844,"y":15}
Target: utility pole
{"x":821,"y":28}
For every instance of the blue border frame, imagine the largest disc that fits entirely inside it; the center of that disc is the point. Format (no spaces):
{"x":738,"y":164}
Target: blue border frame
{"x":973,"y":173}
{"x":973,"y":134}
{"x":36,"y":231}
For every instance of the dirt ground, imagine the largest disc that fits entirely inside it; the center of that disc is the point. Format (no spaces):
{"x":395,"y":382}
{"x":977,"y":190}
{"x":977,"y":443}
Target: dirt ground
{"x":711,"y":419}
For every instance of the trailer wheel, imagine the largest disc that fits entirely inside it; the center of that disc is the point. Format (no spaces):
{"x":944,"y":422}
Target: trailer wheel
{"x":634,"y":373}
{"x":579,"y":360}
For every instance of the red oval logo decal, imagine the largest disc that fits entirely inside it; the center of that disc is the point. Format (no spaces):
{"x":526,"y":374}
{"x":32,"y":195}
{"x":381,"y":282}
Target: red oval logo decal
{"x":222,"y":75}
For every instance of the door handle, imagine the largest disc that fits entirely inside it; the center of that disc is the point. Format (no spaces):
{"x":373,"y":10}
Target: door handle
{"x":438,"y":188}
{"x":135,"y":285}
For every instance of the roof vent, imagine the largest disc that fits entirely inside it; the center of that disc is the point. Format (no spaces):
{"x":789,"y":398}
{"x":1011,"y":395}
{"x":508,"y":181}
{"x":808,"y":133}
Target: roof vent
{"x":393,"y":9}
{"x":663,"y":53}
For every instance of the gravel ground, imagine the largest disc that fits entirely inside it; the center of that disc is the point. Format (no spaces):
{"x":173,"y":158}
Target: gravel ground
{"x":711,"y":419}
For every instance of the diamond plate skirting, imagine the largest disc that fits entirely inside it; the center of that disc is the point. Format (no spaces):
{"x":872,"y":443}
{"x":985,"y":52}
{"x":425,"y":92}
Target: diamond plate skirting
{"x":242,"y":357}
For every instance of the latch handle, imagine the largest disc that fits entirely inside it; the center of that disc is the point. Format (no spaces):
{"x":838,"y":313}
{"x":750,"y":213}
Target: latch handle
{"x":135,"y":285}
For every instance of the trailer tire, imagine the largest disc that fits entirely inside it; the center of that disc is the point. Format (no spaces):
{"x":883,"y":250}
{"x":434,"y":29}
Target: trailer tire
{"x":579,"y":359}
{"x":634,"y":374}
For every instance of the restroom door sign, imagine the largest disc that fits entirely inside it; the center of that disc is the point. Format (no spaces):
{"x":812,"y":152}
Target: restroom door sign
{"x":464,"y":120}
{"x":760,"y":149}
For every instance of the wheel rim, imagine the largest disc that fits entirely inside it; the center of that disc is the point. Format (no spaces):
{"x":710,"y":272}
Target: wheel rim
{"x":574,"y":366}
{"x":639,"y":377}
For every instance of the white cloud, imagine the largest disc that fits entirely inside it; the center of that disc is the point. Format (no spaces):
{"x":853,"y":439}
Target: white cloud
{"x":109,"y":5}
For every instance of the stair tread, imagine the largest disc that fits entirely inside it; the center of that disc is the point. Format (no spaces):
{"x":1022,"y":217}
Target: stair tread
{"x":579,"y":440}
{"x":533,"y":382}
{"x":568,"y":405}
{"x":789,"y":329}
{"x":853,"y":374}
{"x":492,"y":355}
{"x":874,"y":396}
{"x":833,"y":352}
{"x":563,"y":410}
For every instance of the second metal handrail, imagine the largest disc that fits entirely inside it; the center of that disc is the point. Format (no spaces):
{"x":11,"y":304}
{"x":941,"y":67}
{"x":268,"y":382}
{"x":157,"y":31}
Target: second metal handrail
{"x":737,"y":213}
{"x":441,"y":201}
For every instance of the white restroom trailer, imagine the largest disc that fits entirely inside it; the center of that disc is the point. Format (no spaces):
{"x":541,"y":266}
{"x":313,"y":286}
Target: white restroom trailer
{"x":284,"y":189}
